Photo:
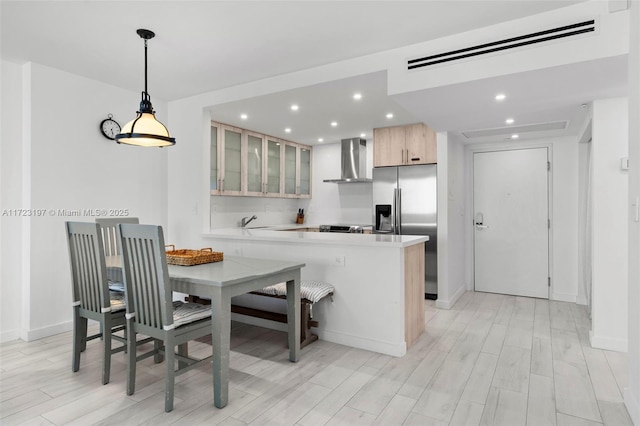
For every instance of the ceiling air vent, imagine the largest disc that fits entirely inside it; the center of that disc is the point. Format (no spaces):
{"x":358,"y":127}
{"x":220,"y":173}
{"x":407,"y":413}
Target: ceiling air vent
{"x":528,"y":128}
{"x":509,"y":43}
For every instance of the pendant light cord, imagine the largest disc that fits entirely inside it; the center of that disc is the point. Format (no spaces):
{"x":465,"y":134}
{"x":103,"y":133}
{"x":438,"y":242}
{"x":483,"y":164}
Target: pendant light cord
{"x":145,"y":68}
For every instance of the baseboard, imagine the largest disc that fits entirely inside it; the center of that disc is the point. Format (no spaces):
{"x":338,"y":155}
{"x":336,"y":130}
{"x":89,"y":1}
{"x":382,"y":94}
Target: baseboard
{"x":50,"y":330}
{"x":564,"y":297}
{"x":632,"y":402}
{"x":448,"y":304}
{"x":8,"y":336}
{"x":387,"y":348}
{"x":608,"y":343}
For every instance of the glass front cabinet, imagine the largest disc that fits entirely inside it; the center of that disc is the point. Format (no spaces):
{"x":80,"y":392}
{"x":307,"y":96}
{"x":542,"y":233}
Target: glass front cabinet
{"x":247,"y":163}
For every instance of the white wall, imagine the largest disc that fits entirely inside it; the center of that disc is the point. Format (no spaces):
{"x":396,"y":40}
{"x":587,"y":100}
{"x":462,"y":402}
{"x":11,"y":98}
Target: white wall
{"x":227,"y":212}
{"x":584,"y":224}
{"x":609,"y":320}
{"x":348,"y":203}
{"x":10,"y":198}
{"x":67,"y":164}
{"x":632,"y":393}
{"x":563,"y":210}
{"x":452,"y":276}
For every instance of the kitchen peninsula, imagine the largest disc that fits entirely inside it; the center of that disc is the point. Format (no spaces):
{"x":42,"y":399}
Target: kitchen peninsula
{"x":378,"y":303}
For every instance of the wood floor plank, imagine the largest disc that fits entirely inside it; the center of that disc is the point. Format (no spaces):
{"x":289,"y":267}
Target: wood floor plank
{"x":440,"y":398}
{"x":467,"y":413}
{"x":415,"y":384}
{"x":512,"y":371}
{"x":351,"y":416}
{"x":477,"y":387}
{"x":541,"y":357}
{"x":566,"y":346}
{"x":495,"y":339}
{"x":541,"y":407}
{"x":338,"y":398}
{"x":566,"y":420}
{"x":602,"y":378}
{"x":574,"y":393}
{"x":396,"y":411}
{"x":614,"y":414}
{"x":505,"y":408}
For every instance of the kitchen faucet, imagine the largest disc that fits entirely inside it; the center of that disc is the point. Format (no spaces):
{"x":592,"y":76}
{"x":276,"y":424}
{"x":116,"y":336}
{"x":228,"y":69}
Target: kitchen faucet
{"x":245,"y":222}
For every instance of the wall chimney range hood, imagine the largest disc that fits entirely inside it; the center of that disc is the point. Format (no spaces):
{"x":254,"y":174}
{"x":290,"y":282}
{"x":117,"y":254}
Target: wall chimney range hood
{"x":354,"y":162}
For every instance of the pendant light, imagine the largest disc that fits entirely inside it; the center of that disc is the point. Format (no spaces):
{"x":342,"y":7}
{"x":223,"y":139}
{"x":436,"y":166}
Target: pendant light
{"x":145,"y":130}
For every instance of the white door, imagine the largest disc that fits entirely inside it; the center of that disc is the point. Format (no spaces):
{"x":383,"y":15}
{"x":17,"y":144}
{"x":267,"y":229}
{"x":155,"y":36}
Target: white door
{"x":511,"y":213}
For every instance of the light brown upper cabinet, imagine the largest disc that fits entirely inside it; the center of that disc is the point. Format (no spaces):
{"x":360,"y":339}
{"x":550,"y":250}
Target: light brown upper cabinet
{"x":404,"y":145}
{"x":247,"y":163}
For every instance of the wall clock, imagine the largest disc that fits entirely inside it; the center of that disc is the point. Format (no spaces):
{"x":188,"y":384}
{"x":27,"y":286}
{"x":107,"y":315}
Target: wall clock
{"x":109,"y":127}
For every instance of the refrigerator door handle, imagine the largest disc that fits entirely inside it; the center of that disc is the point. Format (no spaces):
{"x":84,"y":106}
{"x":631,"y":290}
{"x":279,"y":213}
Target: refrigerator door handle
{"x":398,"y":204}
{"x":394,"y":211}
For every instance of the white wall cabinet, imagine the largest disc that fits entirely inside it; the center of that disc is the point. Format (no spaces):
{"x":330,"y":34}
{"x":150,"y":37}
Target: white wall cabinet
{"x":247,"y":163}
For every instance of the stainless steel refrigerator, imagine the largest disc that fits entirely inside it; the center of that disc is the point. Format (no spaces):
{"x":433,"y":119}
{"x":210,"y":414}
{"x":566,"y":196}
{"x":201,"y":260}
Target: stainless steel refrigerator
{"x":405,"y":203}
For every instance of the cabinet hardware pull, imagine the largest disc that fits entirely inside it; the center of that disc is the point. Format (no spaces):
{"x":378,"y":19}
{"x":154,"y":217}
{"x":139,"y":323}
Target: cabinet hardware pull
{"x":415,"y":159}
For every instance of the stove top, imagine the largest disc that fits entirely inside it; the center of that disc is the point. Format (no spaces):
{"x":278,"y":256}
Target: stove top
{"x":345,"y":229}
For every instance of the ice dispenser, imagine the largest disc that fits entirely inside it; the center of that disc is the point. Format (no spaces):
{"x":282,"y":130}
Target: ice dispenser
{"x":383,"y":218}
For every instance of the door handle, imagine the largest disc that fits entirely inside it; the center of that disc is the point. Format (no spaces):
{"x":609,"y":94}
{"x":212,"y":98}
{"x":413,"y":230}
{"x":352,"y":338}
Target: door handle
{"x":478,"y":221}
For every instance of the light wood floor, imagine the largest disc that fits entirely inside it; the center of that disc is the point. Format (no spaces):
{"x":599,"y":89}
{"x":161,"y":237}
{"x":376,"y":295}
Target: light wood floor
{"x":492,"y":359}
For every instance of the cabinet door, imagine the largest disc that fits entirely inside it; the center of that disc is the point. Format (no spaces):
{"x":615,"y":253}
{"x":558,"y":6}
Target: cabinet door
{"x":231,"y":182}
{"x":214,"y":168}
{"x":388,"y":146}
{"x":305,"y":172}
{"x":290,"y":170}
{"x":272,"y":168}
{"x":254,"y":160}
{"x":420,"y":143}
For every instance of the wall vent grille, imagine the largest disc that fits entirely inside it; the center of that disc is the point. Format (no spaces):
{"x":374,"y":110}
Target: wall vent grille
{"x":527,"y":128}
{"x":509,"y":43}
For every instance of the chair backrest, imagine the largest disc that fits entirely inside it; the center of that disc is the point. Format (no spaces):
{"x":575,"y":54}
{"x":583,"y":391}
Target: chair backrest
{"x":109,"y":228}
{"x":146,"y":276}
{"x":88,"y":268}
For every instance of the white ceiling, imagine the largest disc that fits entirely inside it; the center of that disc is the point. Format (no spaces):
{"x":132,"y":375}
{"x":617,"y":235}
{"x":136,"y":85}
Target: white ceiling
{"x":202,"y":46}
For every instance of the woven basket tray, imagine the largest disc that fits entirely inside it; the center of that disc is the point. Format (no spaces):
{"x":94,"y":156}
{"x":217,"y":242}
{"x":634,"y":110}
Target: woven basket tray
{"x":184,"y":257}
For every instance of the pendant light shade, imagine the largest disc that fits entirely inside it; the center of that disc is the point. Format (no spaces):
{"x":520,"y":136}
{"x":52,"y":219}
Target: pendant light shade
{"x":145,"y":130}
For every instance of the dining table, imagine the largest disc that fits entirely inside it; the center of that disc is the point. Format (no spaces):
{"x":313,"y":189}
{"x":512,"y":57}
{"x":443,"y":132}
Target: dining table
{"x":220,"y":281}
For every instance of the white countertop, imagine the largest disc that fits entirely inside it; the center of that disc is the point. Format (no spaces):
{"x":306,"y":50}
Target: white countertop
{"x":279,"y":233}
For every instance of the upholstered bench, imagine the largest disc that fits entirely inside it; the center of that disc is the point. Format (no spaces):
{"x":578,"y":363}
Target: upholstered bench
{"x":310,"y":293}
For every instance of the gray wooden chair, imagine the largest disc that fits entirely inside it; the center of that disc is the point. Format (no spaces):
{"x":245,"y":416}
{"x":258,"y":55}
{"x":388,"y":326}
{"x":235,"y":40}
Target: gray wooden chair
{"x":91,"y":296}
{"x":151,"y":310}
{"x":109,"y":229}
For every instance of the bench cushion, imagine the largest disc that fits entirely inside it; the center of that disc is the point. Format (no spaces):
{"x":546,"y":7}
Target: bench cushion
{"x":185,"y":313}
{"x":310,"y":290}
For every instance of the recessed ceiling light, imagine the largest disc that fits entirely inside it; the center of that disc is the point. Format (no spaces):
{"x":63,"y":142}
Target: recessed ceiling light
{"x":320,"y":140}
{"x":389,"y":115}
{"x":501,"y":97}
{"x":515,"y":136}
{"x":334,"y":123}
{"x":362,"y":135}
{"x":244,"y":116}
{"x":509,"y":121}
{"x":357,"y":96}
{"x":288,"y":130}
{"x":294,"y":107}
